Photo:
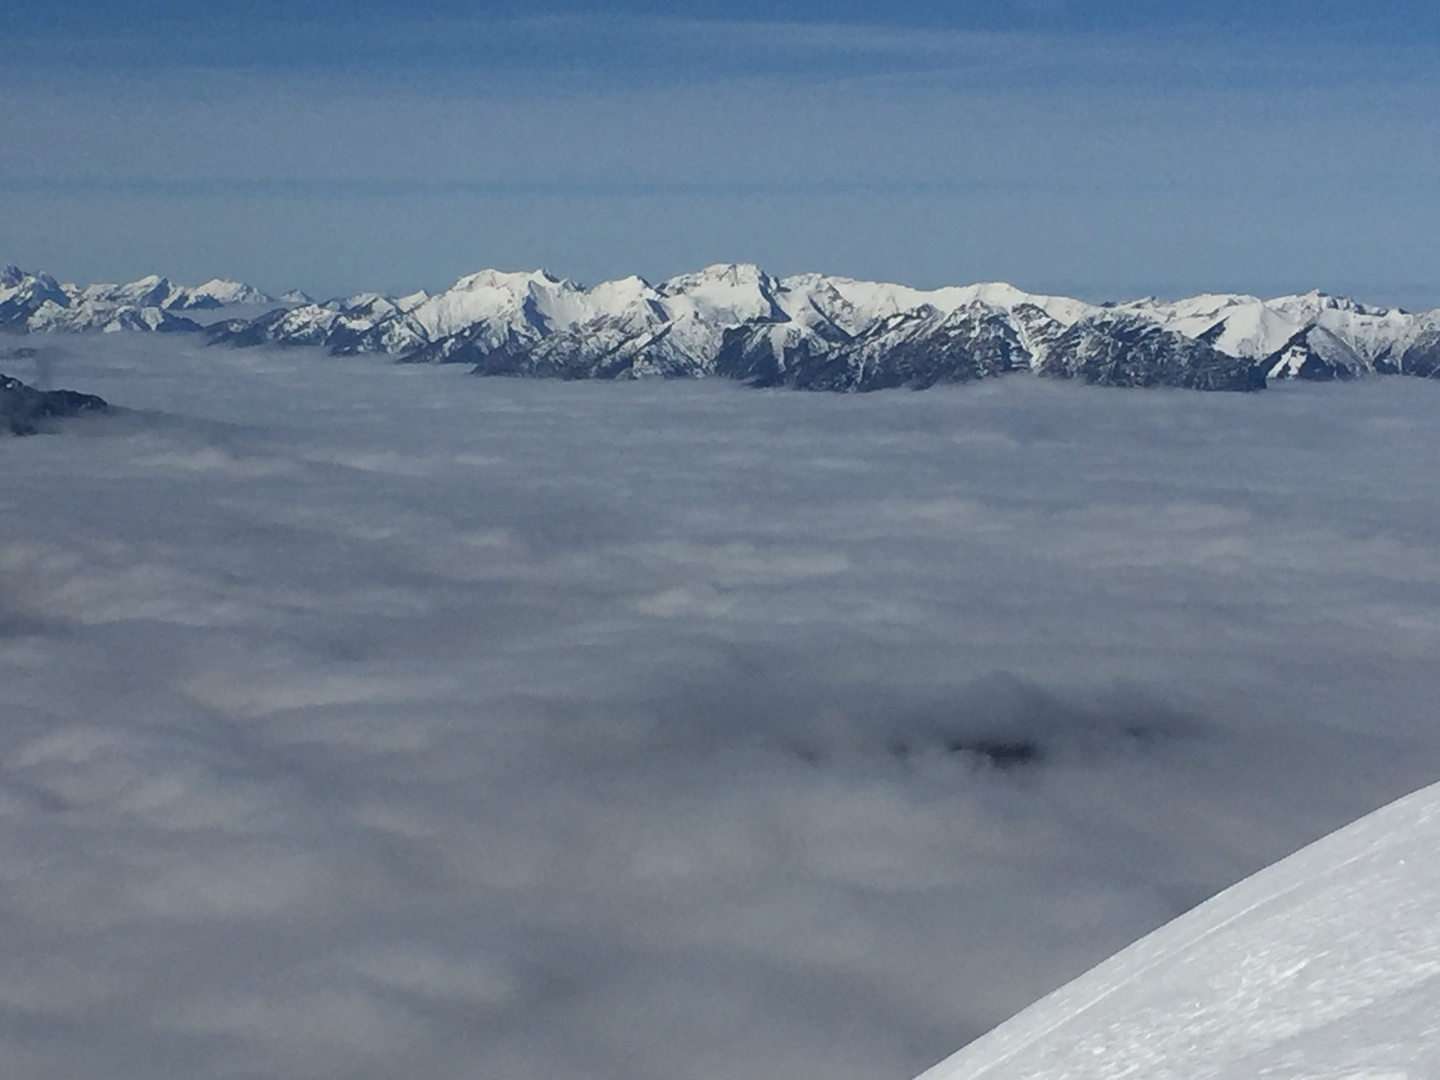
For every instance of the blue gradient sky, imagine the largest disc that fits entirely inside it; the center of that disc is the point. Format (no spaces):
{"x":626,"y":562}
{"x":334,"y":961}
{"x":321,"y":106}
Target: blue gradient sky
{"x":1104,"y":150}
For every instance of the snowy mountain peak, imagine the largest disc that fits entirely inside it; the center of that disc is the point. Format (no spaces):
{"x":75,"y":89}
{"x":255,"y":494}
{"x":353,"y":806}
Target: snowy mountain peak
{"x":20,"y":287}
{"x":535,"y":298}
{"x":842,"y":333}
{"x":731,"y":275}
{"x":35,"y":301}
{"x":222,"y":292}
{"x":717,"y":318}
{"x":507,"y":281}
{"x":615,"y":296}
{"x":725,"y":292}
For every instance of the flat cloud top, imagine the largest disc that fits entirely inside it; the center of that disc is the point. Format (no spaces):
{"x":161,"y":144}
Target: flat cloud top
{"x":369,"y":721}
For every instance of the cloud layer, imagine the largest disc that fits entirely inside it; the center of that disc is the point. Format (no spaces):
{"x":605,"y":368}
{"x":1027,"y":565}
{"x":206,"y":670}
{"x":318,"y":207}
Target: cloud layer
{"x":367,"y":721}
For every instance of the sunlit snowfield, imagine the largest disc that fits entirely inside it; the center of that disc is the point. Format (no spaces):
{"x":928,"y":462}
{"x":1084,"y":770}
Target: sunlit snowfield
{"x":364,"y":721}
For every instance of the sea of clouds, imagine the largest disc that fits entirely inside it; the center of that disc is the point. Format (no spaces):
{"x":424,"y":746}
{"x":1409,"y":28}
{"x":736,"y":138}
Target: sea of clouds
{"x":368,"y":721}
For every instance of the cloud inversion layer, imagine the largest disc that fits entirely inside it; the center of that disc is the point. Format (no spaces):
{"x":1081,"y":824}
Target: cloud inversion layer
{"x":366,"y":721}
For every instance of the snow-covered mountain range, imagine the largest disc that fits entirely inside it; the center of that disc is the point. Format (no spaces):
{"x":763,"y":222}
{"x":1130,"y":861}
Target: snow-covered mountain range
{"x":1325,"y":965}
{"x":810,"y":331}
{"x":35,"y":301}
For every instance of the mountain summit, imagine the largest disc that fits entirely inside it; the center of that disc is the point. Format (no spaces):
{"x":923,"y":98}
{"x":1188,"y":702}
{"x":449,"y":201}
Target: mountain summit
{"x":808,"y":331}
{"x":35,"y":301}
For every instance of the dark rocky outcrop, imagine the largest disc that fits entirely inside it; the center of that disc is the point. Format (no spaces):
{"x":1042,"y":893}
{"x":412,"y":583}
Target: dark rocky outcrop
{"x":25,"y":410}
{"x":925,"y":347}
{"x":1419,"y":356}
{"x":1315,"y":354}
{"x":1125,"y":350}
{"x":915,"y":349}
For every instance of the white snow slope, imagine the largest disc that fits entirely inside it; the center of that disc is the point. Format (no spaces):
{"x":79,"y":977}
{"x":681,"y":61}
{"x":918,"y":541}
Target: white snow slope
{"x":1326,"y":964}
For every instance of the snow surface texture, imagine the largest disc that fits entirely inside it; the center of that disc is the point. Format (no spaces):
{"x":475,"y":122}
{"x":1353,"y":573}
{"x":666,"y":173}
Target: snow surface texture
{"x":810,"y":331}
{"x":1324,"y":965}
{"x":373,"y":721}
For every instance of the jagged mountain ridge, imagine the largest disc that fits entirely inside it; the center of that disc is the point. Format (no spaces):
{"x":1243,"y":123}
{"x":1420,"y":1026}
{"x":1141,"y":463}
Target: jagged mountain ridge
{"x":809,"y":331}
{"x":814,"y":331}
{"x":34,"y":301}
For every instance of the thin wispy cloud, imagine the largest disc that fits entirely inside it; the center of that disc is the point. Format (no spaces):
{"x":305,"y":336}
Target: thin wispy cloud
{"x":582,"y":48}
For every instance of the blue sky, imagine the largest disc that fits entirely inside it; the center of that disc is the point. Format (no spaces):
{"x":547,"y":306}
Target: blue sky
{"x":1100,"y":149}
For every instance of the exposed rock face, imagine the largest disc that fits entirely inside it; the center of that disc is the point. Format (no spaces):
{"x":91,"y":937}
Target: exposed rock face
{"x":1418,"y":353}
{"x":25,"y":410}
{"x":807,"y":331}
{"x":22,"y":294}
{"x":1125,"y":350}
{"x":483,"y":343}
{"x":922,"y":348}
{"x":915,"y":349}
{"x":1315,"y":354}
{"x":363,"y":324}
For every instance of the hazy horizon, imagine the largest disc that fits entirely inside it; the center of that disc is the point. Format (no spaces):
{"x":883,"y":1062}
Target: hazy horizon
{"x":1104,"y":151}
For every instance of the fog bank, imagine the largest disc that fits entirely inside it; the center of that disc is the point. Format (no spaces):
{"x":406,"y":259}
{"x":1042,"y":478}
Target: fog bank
{"x":376,"y":721}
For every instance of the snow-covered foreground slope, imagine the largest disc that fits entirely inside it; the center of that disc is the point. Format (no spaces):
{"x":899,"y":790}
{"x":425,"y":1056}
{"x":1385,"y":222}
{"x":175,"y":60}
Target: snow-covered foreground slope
{"x":1324,"y":965}
{"x":364,"y":721}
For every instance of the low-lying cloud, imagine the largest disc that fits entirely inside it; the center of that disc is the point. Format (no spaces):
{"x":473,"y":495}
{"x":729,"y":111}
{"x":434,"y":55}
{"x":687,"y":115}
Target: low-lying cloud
{"x":369,"y":721}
